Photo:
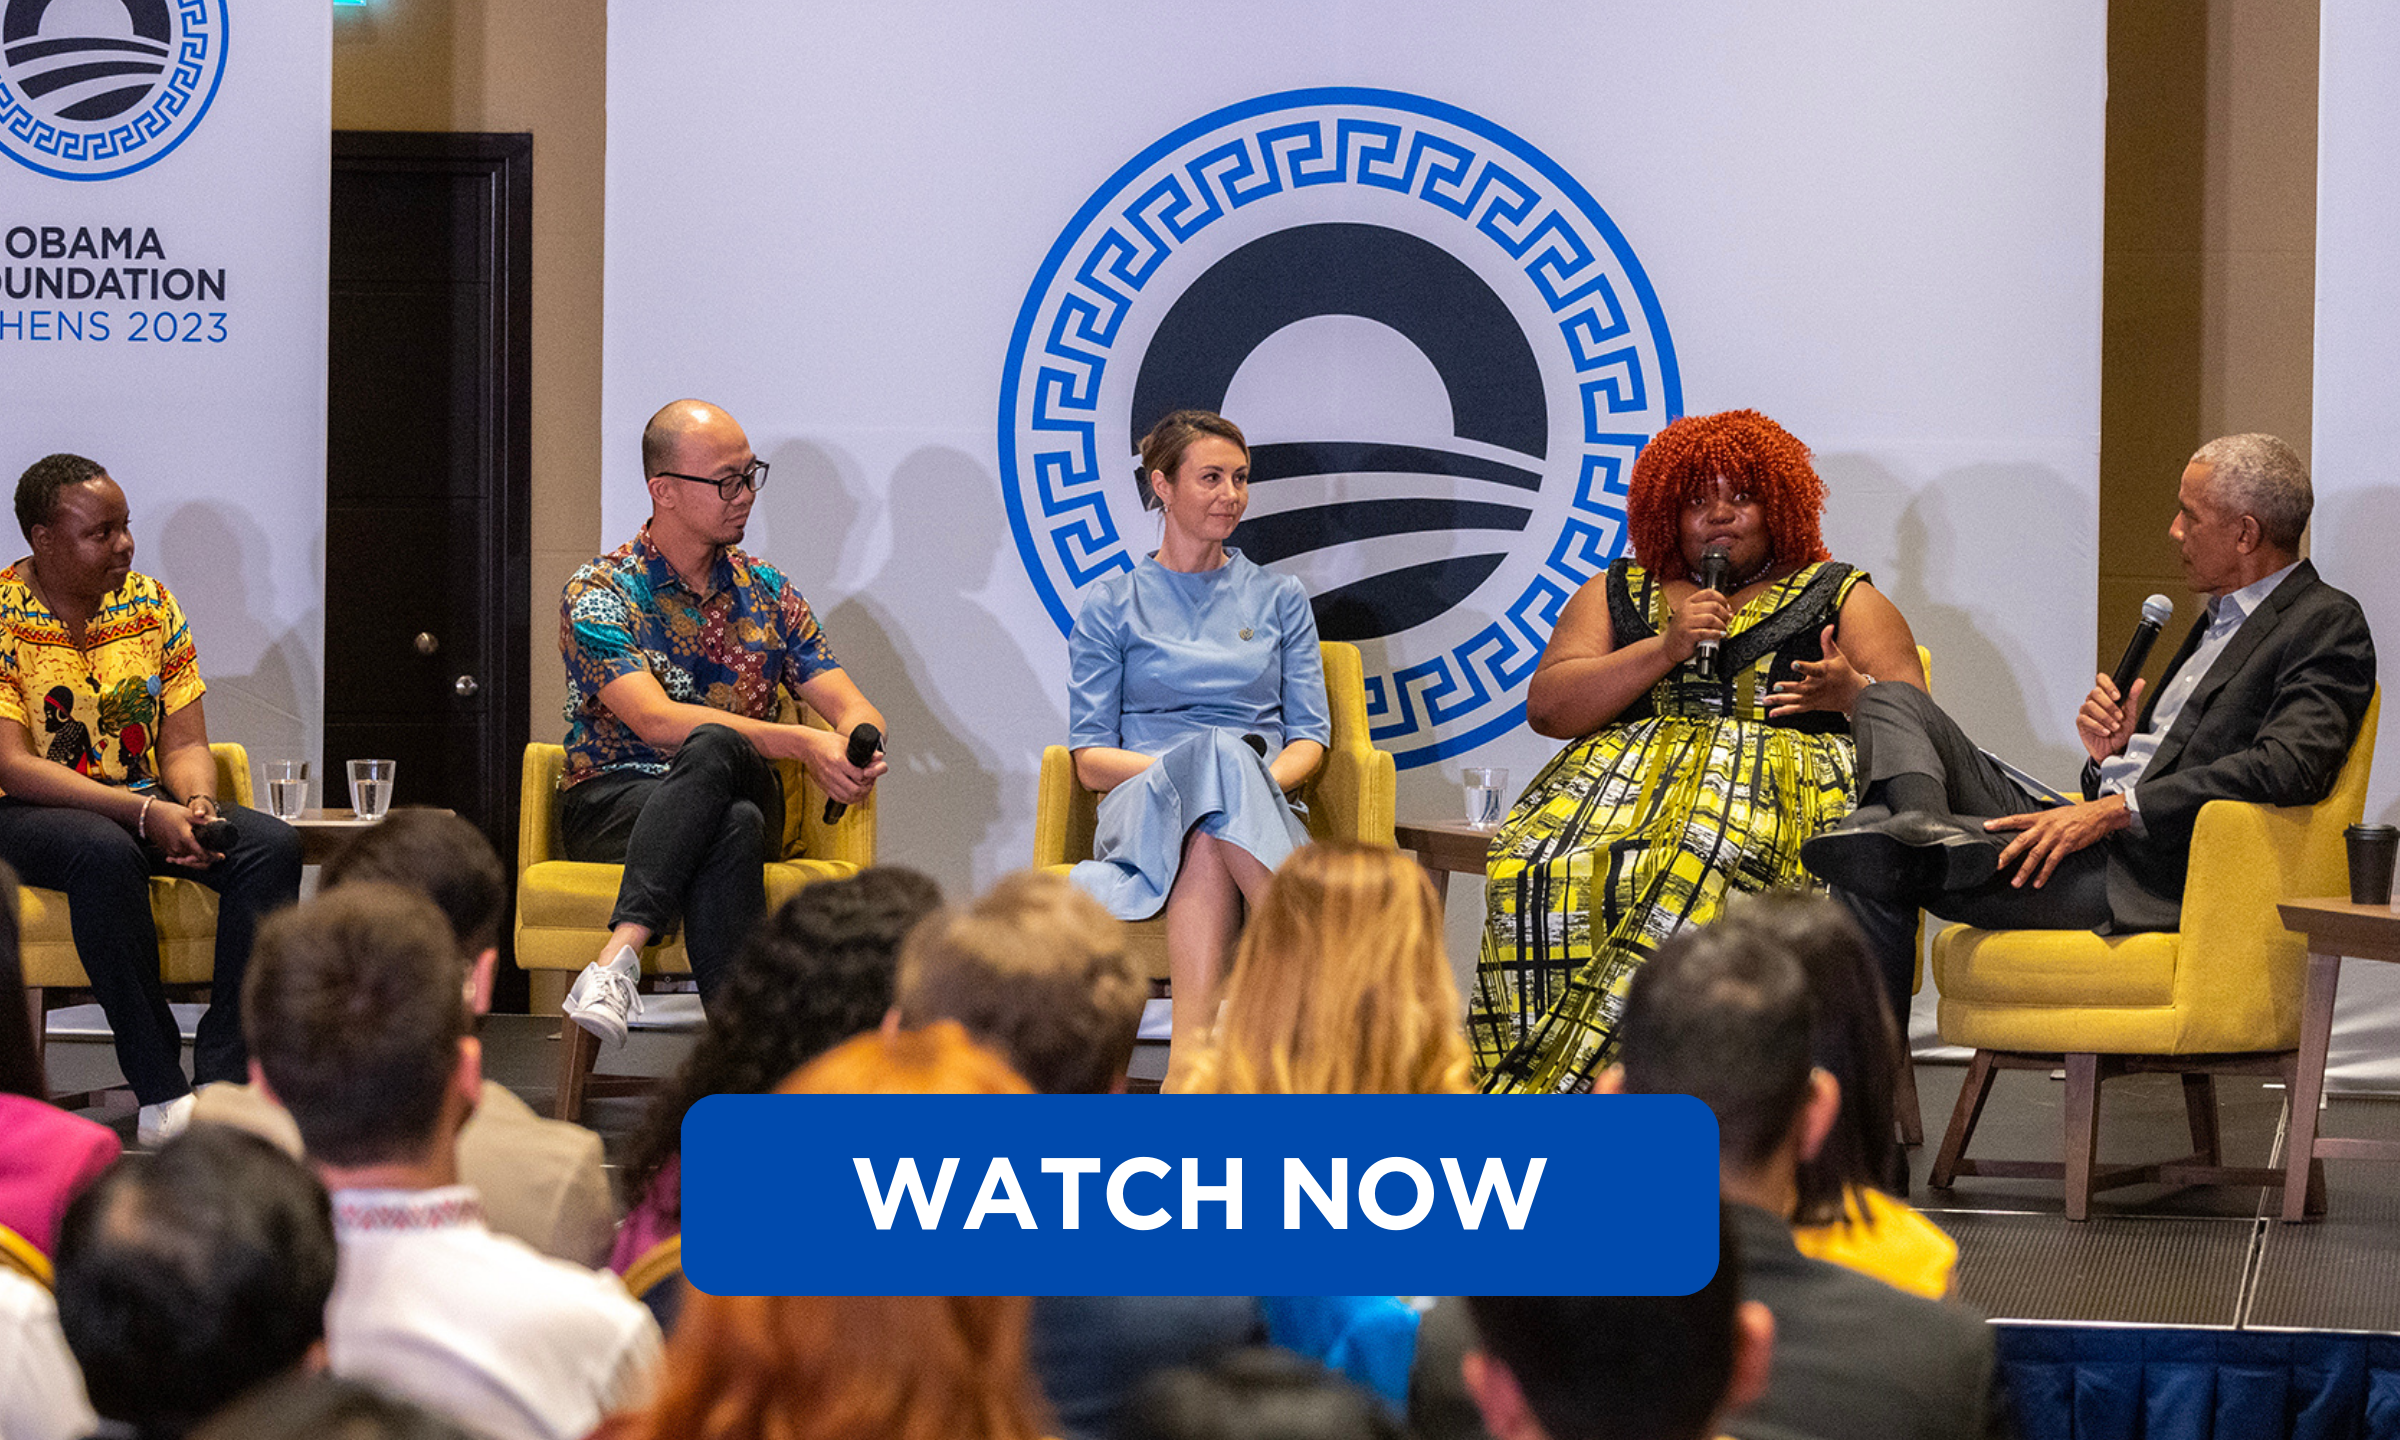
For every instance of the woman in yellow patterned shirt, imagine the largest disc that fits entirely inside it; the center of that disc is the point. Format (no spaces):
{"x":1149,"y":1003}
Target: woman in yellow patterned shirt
{"x":1686,"y":784}
{"x":106,"y":779}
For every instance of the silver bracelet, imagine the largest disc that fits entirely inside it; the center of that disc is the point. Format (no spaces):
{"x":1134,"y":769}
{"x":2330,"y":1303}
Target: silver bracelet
{"x":141,"y":822}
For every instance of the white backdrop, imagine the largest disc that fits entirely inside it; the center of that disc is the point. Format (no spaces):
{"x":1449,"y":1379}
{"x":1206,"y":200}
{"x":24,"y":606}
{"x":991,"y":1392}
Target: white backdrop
{"x":217,"y":433}
{"x":2357,"y":422}
{"x":1879,"y":223}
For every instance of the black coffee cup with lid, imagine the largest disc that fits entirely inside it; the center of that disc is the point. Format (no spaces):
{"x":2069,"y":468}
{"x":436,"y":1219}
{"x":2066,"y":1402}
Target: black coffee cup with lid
{"x":2373,"y":850}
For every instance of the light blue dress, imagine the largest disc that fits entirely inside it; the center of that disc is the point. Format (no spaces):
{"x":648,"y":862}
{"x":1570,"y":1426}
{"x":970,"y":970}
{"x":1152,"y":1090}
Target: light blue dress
{"x":1183,"y":667}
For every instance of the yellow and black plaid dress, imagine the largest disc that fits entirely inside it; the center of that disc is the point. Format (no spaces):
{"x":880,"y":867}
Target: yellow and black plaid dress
{"x":1642,"y":828}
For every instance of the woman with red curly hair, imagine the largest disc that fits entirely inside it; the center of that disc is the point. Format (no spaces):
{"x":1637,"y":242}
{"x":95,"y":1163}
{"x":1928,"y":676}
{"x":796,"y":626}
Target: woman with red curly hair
{"x":1712,"y":737}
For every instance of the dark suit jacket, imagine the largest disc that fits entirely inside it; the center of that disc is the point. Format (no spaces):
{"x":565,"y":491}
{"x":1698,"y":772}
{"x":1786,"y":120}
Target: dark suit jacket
{"x":1856,"y":1357}
{"x":2271,"y":723}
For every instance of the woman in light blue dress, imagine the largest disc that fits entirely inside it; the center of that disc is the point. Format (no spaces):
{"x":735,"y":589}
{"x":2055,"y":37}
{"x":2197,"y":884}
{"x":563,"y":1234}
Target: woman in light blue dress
{"x":1196,"y":700}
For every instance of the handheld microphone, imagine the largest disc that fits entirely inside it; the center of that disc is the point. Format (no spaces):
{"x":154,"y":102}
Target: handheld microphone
{"x":216,"y":836}
{"x":864,"y":742}
{"x":1714,"y":563}
{"x":2156,"y":611}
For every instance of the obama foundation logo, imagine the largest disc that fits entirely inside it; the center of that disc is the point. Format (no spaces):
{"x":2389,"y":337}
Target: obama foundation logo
{"x":1444,"y":352}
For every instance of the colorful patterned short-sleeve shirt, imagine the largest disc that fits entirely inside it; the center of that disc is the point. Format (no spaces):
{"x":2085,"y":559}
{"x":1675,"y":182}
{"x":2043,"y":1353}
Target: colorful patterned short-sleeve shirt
{"x":730,"y":649}
{"x":96,"y":709}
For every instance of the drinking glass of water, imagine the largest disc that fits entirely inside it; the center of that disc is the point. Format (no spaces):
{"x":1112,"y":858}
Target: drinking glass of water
{"x":1487,"y":795}
{"x":371,"y":787}
{"x":287,"y":788}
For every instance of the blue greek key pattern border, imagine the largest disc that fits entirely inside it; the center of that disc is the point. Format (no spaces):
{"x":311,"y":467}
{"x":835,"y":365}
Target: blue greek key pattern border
{"x":200,"y":57}
{"x":1562,"y":249}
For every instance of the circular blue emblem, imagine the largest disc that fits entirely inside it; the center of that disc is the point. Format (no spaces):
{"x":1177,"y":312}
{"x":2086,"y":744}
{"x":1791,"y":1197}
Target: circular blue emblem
{"x":1444,"y":354}
{"x":94,"y":89}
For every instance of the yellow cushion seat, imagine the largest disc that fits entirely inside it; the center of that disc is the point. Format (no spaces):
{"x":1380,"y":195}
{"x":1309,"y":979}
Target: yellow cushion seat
{"x":563,"y":905}
{"x":185,"y":912}
{"x":2220,"y":995}
{"x":1353,"y":796}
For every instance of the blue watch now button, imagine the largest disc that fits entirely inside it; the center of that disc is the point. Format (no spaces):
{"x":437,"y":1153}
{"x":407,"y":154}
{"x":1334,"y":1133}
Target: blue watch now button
{"x":1199,"y":1195}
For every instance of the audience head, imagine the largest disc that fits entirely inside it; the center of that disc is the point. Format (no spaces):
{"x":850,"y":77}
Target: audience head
{"x":20,"y":1072}
{"x":816,"y":972}
{"x":189,"y":1276}
{"x":1722,"y":1013}
{"x":1341,"y":985}
{"x":1853,"y":1040}
{"x":941,"y":1059}
{"x":1037,"y":970}
{"x":1254,"y":1395}
{"x":1163,"y":448}
{"x":1620,"y":1367}
{"x":38,"y":487}
{"x":1759,"y":457}
{"x":358,"y":1024}
{"x":326,"y":1407}
{"x":862,"y":1367}
{"x":2261,"y":477}
{"x":441,"y":857}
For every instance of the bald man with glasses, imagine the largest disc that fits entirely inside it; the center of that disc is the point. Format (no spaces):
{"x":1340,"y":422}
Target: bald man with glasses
{"x":676,"y":644}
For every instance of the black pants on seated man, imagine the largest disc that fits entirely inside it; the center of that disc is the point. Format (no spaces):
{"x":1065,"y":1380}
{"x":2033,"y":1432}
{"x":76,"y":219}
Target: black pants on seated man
{"x":692,"y":842}
{"x":105,"y":871}
{"x":1901,"y":734}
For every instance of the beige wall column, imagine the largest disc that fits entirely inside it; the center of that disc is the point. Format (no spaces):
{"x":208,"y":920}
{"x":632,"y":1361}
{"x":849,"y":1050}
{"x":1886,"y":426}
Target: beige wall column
{"x":2209,"y":276}
{"x":527,"y":65}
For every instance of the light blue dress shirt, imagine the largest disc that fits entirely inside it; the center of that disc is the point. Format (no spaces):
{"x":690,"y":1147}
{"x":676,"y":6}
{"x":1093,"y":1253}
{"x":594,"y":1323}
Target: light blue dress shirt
{"x":2226,"y":614}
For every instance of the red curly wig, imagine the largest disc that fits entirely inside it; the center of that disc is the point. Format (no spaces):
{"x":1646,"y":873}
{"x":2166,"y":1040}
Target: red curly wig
{"x":1745,"y":447}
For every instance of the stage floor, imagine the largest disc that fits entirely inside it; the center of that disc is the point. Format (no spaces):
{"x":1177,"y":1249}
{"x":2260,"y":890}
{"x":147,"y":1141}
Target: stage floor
{"x":2149,"y":1256}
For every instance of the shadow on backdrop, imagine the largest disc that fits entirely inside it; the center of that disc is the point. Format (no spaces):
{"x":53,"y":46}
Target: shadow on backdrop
{"x":214,"y":558}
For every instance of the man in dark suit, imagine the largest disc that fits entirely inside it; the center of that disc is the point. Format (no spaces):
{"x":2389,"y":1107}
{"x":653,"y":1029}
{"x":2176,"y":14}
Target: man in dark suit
{"x":1722,"y":1014}
{"x":2261,"y":704}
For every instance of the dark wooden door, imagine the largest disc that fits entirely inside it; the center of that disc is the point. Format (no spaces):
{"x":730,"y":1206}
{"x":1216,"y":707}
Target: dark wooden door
{"x":428,"y":444}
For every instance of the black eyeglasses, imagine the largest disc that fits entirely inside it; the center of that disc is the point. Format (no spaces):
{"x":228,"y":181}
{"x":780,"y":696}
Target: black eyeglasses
{"x":754,"y":477}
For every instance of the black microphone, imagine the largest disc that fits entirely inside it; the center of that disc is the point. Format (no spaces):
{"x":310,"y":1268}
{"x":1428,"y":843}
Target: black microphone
{"x":217,"y":836}
{"x":864,"y":742}
{"x":1714,"y":562}
{"x":2156,"y":612}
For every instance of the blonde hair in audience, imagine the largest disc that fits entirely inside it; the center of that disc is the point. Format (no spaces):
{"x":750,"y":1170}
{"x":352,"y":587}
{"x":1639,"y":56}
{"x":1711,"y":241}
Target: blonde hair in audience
{"x":940,"y":1059}
{"x":1341,"y":986}
{"x":1037,"y":969}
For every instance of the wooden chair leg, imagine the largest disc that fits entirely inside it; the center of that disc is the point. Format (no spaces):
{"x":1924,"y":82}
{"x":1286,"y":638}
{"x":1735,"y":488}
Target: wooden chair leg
{"x":38,"y":1016}
{"x":1963,"y":1116}
{"x":2200,"y":1111}
{"x":1910,"y":1111}
{"x":2082,"y":1132}
{"x":578,"y":1051}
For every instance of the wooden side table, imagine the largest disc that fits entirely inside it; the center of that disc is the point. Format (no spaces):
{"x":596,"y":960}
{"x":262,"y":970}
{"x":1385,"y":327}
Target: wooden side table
{"x":2335,"y":928}
{"x":324,"y":832}
{"x":1445,"y":848}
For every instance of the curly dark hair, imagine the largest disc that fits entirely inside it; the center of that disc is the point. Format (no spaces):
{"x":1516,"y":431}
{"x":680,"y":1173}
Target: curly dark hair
{"x":816,"y":973}
{"x":1745,"y":447}
{"x":38,"y":487}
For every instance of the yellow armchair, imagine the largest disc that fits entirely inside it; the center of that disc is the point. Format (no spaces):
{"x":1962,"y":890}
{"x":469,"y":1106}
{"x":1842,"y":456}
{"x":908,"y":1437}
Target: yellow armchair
{"x":563,"y":905}
{"x":1352,"y":796}
{"x":185,"y":910}
{"x":2219,"y":996}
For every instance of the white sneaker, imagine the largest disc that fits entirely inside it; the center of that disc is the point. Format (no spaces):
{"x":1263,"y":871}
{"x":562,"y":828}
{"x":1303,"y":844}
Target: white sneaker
{"x":163,"y":1122}
{"x":604,"y":1000}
